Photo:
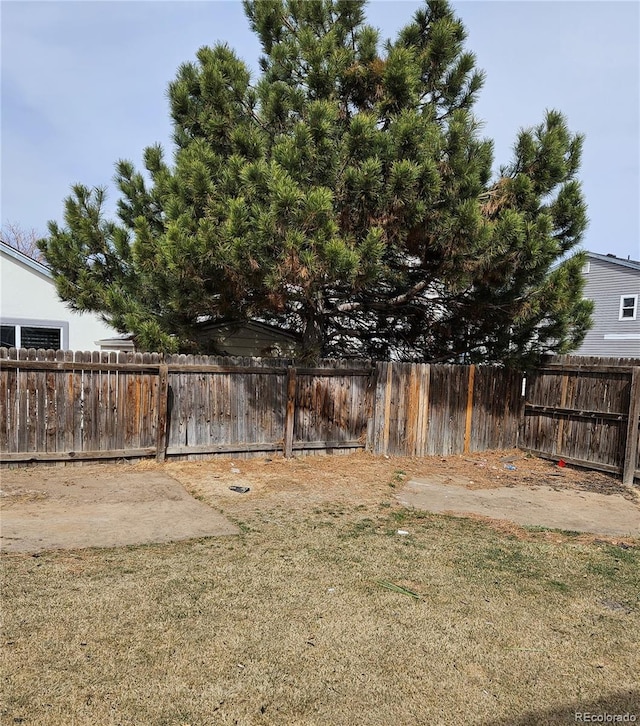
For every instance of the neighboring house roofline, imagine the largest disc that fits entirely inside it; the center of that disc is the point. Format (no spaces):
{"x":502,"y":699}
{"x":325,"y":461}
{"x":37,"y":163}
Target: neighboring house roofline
{"x":631,"y":264}
{"x":25,"y":259}
{"x":121,"y":342}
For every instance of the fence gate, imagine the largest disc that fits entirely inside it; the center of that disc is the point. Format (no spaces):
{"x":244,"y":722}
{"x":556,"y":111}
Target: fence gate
{"x":586,"y":414}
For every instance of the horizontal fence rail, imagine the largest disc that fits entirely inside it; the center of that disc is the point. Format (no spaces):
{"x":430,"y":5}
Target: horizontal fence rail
{"x":64,"y":406}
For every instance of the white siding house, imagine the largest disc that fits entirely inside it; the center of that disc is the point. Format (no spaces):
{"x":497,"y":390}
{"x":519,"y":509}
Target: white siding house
{"x":33,"y":316}
{"x":613,"y":284}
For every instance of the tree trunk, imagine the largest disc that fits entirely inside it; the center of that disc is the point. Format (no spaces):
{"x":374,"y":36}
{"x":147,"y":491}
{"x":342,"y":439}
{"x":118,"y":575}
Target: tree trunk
{"x":313,"y":337}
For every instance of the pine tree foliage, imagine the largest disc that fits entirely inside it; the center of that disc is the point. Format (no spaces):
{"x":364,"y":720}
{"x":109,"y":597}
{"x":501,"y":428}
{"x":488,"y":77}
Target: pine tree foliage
{"x":345,"y":194}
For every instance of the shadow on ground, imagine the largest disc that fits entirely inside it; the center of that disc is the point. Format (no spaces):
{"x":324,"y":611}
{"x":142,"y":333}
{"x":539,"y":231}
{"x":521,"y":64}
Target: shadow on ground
{"x":618,"y":707}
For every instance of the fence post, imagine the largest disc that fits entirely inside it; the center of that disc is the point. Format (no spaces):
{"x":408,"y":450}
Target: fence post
{"x":469,"y":412}
{"x":290,"y":412}
{"x":631,"y":446}
{"x":163,"y":411}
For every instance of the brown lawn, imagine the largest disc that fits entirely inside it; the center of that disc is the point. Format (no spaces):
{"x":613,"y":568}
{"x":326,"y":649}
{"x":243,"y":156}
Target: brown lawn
{"x":319,"y":612}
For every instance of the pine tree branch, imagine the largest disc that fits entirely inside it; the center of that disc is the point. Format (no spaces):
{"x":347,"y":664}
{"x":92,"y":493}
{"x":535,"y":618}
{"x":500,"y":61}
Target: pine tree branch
{"x":391,"y":302}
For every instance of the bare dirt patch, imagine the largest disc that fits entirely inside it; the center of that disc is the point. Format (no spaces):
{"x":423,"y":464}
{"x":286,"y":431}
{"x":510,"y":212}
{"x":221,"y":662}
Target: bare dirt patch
{"x":123,"y":504}
{"x":587,"y":501}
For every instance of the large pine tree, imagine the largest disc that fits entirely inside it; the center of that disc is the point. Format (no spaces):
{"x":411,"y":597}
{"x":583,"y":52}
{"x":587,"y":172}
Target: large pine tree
{"x":346,"y":195}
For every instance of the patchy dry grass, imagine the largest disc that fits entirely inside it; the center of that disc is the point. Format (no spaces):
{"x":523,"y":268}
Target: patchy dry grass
{"x":294,"y":622}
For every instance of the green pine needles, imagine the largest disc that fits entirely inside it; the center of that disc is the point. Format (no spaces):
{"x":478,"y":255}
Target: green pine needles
{"x":345,"y":195}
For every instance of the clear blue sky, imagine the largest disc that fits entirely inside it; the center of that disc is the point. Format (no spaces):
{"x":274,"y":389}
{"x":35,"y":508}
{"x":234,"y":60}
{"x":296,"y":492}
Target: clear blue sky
{"x":84,"y":84}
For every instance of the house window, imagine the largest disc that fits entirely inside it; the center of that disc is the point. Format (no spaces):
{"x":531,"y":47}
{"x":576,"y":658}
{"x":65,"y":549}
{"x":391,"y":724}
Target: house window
{"x":8,"y":336}
{"x":31,"y":336}
{"x":628,"y":307}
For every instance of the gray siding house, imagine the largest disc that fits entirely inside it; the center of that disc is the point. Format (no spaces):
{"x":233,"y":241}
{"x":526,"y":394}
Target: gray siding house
{"x":613,"y":283}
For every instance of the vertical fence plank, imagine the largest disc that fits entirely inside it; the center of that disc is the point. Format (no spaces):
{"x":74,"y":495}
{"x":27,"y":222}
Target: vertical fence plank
{"x":4,"y":404}
{"x":631,"y":445}
{"x":41,"y":406}
{"x":469,"y":410}
{"x":51,"y":409}
{"x":13,"y":398}
{"x":106,"y":404}
{"x":121,"y":405}
{"x":413,"y":406}
{"x":425,"y":382}
{"x":73,"y":422}
{"x":563,"y":402}
{"x":129,"y":412}
{"x":31,"y":394}
{"x":372,"y":385}
{"x":162,"y":412}
{"x":386,"y":416}
{"x":290,"y":411}
{"x":22,"y":407}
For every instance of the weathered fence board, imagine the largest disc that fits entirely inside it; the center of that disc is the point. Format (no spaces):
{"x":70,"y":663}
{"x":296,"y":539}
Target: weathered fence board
{"x":423,"y":409}
{"x":61,"y":406}
{"x":67,"y":412}
{"x":631,"y":462}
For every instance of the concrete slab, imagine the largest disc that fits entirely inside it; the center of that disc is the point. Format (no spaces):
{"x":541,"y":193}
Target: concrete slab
{"x":89,"y":507}
{"x":543,"y":506}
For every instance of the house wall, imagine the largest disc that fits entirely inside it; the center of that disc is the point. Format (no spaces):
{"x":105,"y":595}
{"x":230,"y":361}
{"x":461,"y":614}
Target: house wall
{"x":250,"y":341}
{"x":28,"y":296}
{"x":605,"y":283}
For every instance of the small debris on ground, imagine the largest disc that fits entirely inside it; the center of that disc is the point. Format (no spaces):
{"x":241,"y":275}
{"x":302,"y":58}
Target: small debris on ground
{"x":615,"y":606}
{"x":399,"y":589}
{"x":240,"y":490}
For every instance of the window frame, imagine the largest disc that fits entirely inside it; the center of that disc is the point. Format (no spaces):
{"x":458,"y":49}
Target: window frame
{"x":623,"y":308}
{"x":19,"y":323}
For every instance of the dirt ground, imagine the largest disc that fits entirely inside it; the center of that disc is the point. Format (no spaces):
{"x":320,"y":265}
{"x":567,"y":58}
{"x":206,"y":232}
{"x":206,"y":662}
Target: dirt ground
{"x":123,"y":504}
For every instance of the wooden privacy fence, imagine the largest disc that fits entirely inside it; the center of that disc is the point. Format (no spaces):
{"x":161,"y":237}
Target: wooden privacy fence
{"x":64,"y":406}
{"x":423,"y":409}
{"x":61,"y":406}
{"x":586,"y":411}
